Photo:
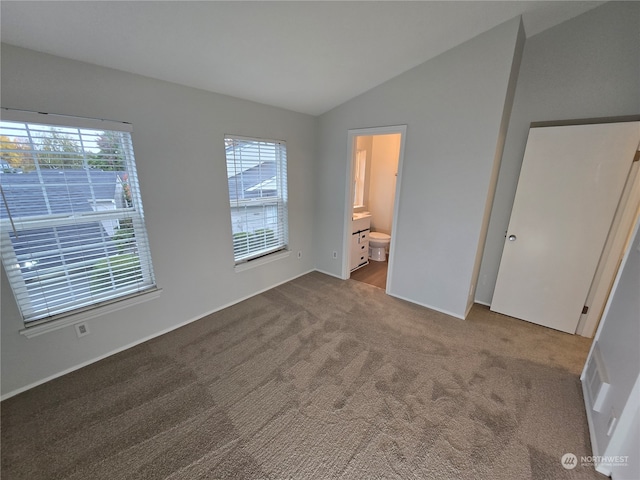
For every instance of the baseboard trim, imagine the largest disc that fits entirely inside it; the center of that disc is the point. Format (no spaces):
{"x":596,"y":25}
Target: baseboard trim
{"x":144,"y":339}
{"x":328,"y":273}
{"x":595,"y":451}
{"x":486,"y":304}
{"x":468,"y":310}
{"x":430,"y":307}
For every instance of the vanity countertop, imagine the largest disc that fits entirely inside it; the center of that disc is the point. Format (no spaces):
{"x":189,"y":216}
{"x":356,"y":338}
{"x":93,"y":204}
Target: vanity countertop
{"x":360,"y":221}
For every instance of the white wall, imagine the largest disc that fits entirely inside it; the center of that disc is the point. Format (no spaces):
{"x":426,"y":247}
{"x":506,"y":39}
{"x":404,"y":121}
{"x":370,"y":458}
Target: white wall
{"x":586,"y":67}
{"x":453,"y":107}
{"x":382,"y":181}
{"x":178,"y":140}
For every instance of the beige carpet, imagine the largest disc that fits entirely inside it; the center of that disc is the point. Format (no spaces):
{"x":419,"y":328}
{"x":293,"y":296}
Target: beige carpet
{"x":315,"y":379}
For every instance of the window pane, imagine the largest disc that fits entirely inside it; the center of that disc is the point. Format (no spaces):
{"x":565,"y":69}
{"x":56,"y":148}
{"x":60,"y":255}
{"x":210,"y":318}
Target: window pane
{"x":359,"y":178}
{"x":256,"y":173}
{"x":73,"y":231}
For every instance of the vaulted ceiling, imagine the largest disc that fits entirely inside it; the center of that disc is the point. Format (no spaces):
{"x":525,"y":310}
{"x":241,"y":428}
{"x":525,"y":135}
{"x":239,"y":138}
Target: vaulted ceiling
{"x":305,"y":56}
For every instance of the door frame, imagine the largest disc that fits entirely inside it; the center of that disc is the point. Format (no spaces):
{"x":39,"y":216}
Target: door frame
{"x":606,"y":228}
{"x":352,"y":135}
{"x":619,"y":236}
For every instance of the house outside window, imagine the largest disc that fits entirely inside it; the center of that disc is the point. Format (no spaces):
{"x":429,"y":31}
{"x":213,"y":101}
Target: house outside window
{"x":72,"y":232}
{"x":257,"y":179}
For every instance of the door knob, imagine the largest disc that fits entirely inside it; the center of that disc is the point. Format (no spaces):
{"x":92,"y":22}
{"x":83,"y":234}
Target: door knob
{"x":512,"y":238}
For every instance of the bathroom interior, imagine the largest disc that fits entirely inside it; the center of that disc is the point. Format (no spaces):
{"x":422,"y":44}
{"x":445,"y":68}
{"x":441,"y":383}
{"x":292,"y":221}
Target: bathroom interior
{"x":375,"y":171}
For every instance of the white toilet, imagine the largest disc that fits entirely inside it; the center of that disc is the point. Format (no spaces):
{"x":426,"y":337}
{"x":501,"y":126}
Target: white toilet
{"x":378,"y":246}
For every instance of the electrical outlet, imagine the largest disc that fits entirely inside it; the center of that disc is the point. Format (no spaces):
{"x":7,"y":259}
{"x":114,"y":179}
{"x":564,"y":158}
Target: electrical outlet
{"x":335,"y":254}
{"x":82,"y":329}
{"x":300,"y":254}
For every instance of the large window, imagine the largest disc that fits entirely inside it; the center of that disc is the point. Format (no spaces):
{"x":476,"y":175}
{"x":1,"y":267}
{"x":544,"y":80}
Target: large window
{"x":72,"y":227}
{"x":257,"y":176}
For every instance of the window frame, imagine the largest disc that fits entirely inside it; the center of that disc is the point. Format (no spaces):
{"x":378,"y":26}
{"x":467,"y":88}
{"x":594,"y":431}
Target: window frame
{"x":359,"y":179}
{"x":280,"y":201}
{"x":95,"y":304}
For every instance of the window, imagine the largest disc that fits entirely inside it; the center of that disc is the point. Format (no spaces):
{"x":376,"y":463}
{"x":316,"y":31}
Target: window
{"x":257,"y":176}
{"x":358,"y":178}
{"x":72,"y":226}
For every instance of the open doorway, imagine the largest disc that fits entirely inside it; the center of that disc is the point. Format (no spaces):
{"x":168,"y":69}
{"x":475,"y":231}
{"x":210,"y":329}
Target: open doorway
{"x":375,"y":162}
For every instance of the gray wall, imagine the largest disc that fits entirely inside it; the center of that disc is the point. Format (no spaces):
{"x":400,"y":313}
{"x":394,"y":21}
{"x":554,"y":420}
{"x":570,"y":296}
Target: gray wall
{"x":586,"y":67}
{"x":453,"y":107}
{"x":178,"y":140}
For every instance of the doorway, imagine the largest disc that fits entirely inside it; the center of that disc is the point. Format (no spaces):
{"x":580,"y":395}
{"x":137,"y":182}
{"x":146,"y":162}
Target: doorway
{"x":371,"y":204}
{"x":570,"y":187}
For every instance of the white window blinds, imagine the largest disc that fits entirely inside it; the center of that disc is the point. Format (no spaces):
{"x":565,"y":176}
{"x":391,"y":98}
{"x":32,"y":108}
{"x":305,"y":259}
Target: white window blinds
{"x":257,"y":178}
{"x":72,"y":225}
{"x":359,"y":177}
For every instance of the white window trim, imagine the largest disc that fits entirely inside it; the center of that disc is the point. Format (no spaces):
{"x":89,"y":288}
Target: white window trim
{"x":359,"y":178}
{"x":282,"y":251}
{"x":25,"y":116}
{"x":256,"y":262}
{"x":90,"y":312}
{"x":77,"y":315}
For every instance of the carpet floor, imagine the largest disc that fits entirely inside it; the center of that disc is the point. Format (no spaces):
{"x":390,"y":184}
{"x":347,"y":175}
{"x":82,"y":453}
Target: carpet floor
{"x":316,"y":379}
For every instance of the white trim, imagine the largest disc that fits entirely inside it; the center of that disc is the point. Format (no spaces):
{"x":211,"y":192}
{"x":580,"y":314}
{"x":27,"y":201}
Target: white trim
{"x":486,"y":304}
{"x":588,"y":406}
{"x":272,"y":257}
{"x":619,"y":236}
{"x":439,"y":310}
{"x":92,"y":312}
{"x":144,"y":339}
{"x":232,"y":136}
{"x":329,"y":274}
{"x":396,"y":206}
{"x":468,"y":310}
{"x":595,"y":450}
{"x":352,"y":135}
{"x":622,"y":428}
{"x":13,"y":115}
{"x":627,"y":252}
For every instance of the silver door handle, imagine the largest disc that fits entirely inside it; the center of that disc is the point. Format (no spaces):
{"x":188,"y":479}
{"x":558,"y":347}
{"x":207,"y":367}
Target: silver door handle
{"x":512,"y":238}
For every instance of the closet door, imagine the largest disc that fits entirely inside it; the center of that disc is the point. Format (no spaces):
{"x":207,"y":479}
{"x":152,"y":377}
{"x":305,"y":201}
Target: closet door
{"x":569,"y":188}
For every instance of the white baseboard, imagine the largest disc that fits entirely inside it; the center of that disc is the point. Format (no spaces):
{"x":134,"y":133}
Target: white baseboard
{"x":455,"y":315}
{"x":328,"y":273}
{"x":594,"y":441}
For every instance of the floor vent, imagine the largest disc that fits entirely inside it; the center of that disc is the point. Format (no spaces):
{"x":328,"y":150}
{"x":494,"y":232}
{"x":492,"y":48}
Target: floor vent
{"x":597,"y":379}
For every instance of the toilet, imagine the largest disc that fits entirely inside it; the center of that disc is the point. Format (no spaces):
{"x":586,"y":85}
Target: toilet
{"x":378,"y":246}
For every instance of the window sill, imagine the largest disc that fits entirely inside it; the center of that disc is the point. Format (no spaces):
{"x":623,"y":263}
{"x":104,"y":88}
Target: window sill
{"x":262,"y":260}
{"x":90,"y":313}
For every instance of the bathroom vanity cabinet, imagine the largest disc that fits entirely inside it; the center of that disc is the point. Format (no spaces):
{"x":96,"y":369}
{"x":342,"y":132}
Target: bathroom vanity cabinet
{"x":359,"y":254}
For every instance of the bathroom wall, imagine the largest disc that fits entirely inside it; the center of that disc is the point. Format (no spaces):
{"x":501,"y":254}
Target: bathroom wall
{"x":382,"y":181}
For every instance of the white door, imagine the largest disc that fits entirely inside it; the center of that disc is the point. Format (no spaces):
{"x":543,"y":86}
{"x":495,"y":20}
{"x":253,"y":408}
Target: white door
{"x":569,"y":187}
